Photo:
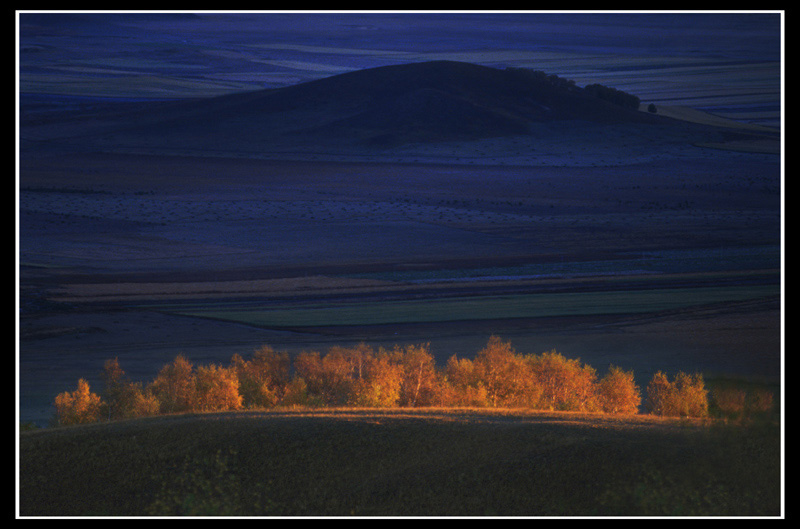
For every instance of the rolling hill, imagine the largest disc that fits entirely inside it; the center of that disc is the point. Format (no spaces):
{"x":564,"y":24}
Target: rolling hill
{"x":418,"y":102}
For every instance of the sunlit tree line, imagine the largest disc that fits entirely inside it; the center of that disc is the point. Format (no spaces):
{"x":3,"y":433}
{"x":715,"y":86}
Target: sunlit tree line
{"x":362,"y":376}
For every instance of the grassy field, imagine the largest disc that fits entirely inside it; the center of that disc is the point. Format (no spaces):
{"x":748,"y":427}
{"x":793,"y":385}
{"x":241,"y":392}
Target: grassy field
{"x":351,"y":462}
{"x":482,"y":308}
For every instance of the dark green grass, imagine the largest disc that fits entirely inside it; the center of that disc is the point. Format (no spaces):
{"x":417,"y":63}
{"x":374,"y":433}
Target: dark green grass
{"x":480,"y":308}
{"x":401,"y":463}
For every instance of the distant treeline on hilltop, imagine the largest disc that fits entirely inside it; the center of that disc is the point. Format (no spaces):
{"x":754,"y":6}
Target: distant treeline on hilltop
{"x":402,"y":377}
{"x":606,"y":93}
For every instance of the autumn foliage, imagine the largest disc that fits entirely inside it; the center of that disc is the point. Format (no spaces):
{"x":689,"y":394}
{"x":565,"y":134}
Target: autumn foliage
{"x":124,"y":399}
{"x":741,"y":403}
{"x":404,"y":376}
{"x":262,"y":379}
{"x":174,"y":387}
{"x":684,"y":396}
{"x":618,"y":392}
{"x":78,"y":407}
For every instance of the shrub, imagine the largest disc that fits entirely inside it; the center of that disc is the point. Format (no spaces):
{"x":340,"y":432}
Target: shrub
{"x":474,"y":396}
{"x":618,"y":393}
{"x":729,"y":401}
{"x":78,"y":407}
{"x":297,"y":394}
{"x":736,"y":401}
{"x":759,"y":401}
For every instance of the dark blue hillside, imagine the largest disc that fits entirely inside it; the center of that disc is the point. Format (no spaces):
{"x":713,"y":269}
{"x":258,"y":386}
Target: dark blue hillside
{"x":417,"y":102}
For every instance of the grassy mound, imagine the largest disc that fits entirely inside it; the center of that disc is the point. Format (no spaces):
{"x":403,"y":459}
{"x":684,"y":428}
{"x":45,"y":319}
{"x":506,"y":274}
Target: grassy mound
{"x":399,"y":462}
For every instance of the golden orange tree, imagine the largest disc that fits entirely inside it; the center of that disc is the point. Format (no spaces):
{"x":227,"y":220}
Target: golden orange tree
{"x":145,"y":403}
{"x":566,"y":384}
{"x":380,"y":382}
{"x":116,"y":392}
{"x":618,"y":393}
{"x":461,"y":386}
{"x":174,"y":387}
{"x":78,"y":407}
{"x":308,"y":368}
{"x":123,"y":398}
{"x":328,"y":377}
{"x":508,"y":378}
{"x":693,"y":394}
{"x":405,"y":376}
{"x":263,"y":378}
{"x":685,"y":396}
{"x":216,"y":389}
{"x":297,"y":394}
{"x":419,"y":380}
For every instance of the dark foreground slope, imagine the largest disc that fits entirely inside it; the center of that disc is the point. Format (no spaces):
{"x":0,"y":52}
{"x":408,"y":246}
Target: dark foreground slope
{"x":400,"y":462}
{"x":378,"y":107}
